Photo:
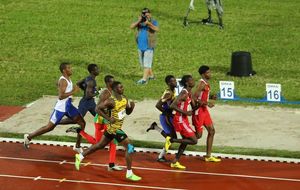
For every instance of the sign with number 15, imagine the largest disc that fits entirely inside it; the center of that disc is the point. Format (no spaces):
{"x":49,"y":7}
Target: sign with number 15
{"x":226,"y":89}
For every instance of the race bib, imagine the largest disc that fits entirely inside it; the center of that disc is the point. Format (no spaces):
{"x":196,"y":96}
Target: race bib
{"x":122,"y":114}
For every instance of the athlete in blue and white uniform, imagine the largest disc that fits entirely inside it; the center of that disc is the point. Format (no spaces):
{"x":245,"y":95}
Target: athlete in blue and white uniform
{"x":63,"y":106}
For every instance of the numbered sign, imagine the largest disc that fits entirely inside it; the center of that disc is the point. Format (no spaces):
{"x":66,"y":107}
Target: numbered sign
{"x":226,"y":89}
{"x":178,"y":87}
{"x":273,"y":92}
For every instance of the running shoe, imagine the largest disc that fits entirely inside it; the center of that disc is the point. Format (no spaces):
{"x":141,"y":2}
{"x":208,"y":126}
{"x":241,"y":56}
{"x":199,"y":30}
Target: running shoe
{"x":212,"y":159}
{"x":207,"y":21}
{"x":152,"y":126}
{"x":73,"y":130}
{"x":115,"y":168}
{"x":162,"y":159}
{"x":77,"y":149}
{"x":168,"y":143}
{"x":141,"y":81}
{"x":26,"y":141}
{"x":178,"y":166}
{"x":133,"y":177}
{"x":77,"y":161}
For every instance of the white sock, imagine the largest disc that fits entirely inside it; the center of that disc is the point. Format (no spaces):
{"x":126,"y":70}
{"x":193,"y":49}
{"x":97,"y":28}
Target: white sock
{"x":129,"y":172}
{"x":81,"y":157}
{"x":162,"y":153}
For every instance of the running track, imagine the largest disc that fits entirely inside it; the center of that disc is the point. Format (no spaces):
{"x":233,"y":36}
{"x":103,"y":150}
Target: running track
{"x":51,"y":167}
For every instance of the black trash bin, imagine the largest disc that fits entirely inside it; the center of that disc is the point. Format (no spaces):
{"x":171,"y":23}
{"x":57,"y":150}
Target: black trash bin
{"x":241,"y":64}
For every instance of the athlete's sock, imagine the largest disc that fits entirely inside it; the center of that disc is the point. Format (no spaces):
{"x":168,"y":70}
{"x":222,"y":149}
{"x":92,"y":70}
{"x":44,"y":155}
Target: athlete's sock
{"x":88,"y":137}
{"x":112,"y":152}
{"x":129,"y":173}
{"x":162,"y":153}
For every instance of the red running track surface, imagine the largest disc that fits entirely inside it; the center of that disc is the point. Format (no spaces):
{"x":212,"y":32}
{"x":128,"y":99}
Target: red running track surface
{"x":7,"y":111}
{"x":20,"y":169}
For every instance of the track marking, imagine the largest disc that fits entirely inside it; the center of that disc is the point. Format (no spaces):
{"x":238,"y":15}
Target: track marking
{"x":165,"y":170}
{"x":88,"y":182}
{"x":152,"y":150}
{"x":62,"y":162}
{"x":62,"y":180}
{"x":37,"y":178}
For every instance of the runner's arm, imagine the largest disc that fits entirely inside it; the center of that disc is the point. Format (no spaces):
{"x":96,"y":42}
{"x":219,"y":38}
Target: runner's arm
{"x":199,"y":89}
{"x":107,"y":104}
{"x":180,"y":98}
{"x":89,"y":91}
{"x":166,"y":97}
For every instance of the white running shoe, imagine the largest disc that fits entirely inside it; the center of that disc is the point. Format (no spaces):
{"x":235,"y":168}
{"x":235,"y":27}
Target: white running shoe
{"x":26,"y":141}
{"x":78,"y":150}
{"x":115,"y":168}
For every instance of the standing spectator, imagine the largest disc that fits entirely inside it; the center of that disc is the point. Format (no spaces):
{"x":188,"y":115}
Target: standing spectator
{"x":214,"y":4}
{"x":146,"y":42}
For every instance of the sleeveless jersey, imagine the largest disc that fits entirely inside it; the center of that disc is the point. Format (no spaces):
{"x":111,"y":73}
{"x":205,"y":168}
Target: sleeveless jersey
{"x":61,"y":104}
{"x":183,"y":106}
{"x":119,"y":113}
{"x":167,"y":103}
{"x":204,"y":95}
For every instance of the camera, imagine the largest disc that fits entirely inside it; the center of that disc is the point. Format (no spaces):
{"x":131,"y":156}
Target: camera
{"x":144,"y":17}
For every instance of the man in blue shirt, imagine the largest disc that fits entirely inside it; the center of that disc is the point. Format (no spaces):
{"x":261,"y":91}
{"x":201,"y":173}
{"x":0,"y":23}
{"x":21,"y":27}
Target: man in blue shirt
{"x":146,"y":42}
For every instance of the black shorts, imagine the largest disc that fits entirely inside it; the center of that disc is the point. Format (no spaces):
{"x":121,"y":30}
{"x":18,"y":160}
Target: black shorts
{"x":119,"y":136}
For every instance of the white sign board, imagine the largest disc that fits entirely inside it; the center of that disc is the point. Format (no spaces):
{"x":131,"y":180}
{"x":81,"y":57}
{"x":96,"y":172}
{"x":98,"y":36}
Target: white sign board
{"x":226,"y":89}
{"x":178,"y":87}
{"x":273,"y":92}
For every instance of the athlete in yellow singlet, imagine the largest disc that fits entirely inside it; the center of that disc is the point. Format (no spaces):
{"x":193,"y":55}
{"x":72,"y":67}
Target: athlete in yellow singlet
{"x":118,"y":107}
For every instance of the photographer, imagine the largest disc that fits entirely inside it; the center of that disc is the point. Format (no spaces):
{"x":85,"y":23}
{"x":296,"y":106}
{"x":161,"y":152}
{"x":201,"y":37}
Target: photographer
{"x":146,"y":42}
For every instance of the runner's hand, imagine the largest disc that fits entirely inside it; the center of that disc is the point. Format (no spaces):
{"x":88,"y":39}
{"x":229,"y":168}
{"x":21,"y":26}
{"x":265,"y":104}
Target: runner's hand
{"x":189,"y":113}
{"x":112,"y":120}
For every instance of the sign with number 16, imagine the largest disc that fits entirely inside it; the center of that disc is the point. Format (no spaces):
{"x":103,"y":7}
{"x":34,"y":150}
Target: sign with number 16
{"x":273,"y":92}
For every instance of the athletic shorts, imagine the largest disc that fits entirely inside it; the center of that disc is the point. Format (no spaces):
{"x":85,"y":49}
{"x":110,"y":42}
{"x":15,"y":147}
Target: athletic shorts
{"x":201,"y":119}
{"x":119,"y":136}
{"x":71,"y":112}
{"x":167,"y":123}
{"x":183,"y":127}
{"x":146,"y":58}
{"x":87,"y":106}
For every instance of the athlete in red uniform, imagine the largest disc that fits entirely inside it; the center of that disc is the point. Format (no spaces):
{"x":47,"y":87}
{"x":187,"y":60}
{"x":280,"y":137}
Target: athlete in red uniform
{"x":201,"y":116}
{"x":181,"y":122}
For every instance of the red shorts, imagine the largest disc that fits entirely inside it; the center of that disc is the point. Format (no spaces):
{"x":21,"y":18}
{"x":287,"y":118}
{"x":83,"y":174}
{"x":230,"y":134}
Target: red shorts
{"x":183,"y":127}
{"x":201,"y":117}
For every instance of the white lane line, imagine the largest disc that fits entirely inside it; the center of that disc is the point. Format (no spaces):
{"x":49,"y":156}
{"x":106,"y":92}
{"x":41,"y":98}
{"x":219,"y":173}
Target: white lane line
{"x":152,"y":150}
{"x":165,"y":170}
{"x":88,"y":182}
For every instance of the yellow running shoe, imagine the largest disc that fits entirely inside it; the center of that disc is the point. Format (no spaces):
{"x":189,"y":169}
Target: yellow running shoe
{"x":133,"y":177}
{"x":177,"y":165}
{"x":212,"y":159}
{"x":77,"y":161}
{"x":167,"y":143}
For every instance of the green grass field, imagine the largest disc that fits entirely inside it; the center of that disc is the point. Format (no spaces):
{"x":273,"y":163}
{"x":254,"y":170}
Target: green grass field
{"x":37,"y":35}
